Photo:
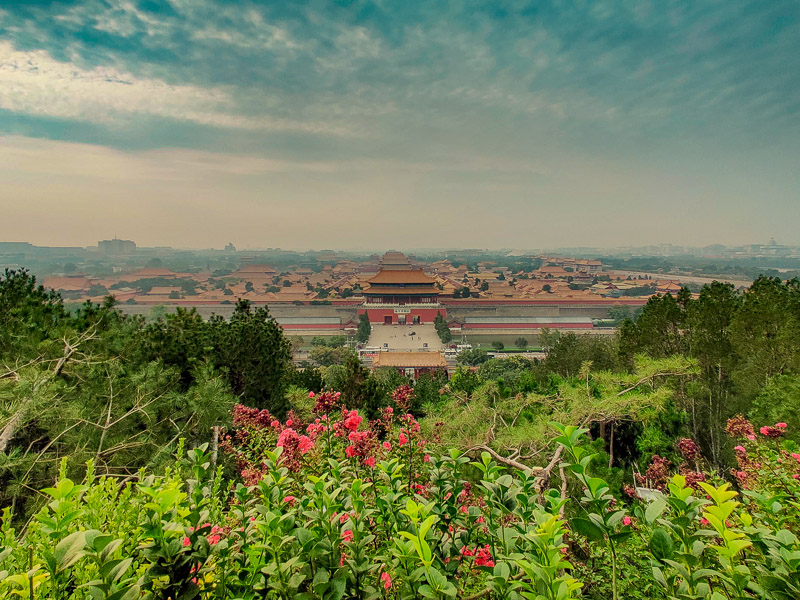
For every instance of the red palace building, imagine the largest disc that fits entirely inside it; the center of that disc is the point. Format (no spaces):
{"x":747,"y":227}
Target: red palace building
{"x":401,"y":294}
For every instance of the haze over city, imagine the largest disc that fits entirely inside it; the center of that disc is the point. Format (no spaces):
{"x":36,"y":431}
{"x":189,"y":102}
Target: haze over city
{"x":376,"y":124}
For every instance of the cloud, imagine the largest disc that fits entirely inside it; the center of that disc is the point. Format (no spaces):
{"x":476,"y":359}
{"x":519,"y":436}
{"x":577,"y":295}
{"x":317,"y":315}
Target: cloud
{"x":33,"y":83}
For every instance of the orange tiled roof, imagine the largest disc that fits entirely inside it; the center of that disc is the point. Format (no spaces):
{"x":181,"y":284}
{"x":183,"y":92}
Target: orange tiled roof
{"x":410,"y":360}
{"x":404,"y":276}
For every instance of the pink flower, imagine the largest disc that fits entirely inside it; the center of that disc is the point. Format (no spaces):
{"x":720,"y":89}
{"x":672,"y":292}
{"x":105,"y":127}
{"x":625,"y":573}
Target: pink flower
{"x":781,"y":425}
{"x":795,"y":476}
{"x":347,"y":536}
{"x":353,"y":421}
{"x":343,"y":517}
{"x":389,"y":409}
{"x":427,"y":458}
{"x":290,"y":499}
{"x":703,"y":521}
{"x":387,"y":580}
{"x":370,"y":462}
{"x":187,"y":541}
{"x":740,"y":449}
{"x":402,"y":440}
{"x":626,"y":520}
{"x":289,"y":423}
{"x":751,"y":437}
{"x":796,"y":456}
{"x":310,"y":394}
{"x":275,"y":424}
{"x":350,"y":451}
{"x":387,"y":445}
{"x":764,"y":430}
{"x":305,"y":444}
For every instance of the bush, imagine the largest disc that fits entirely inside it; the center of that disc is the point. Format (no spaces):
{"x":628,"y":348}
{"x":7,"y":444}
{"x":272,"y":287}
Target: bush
{"x":333,"y":506}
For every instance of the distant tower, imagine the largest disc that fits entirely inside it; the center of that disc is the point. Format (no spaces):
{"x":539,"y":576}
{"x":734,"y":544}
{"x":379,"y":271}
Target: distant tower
{"x":230,"y":248}
{"x":116,"y":247}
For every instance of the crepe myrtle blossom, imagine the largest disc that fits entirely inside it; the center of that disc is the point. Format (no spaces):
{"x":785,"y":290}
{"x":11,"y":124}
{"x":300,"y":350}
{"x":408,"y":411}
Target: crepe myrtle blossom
{"x":387,"y":580}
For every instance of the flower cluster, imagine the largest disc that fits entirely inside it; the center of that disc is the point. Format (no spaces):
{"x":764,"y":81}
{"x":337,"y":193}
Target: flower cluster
{"x":739,"y":427}
{"x":403,"y":397}
{"x":326,"y":402}
{"x":657,"y":474}
{"x":689,"y":450}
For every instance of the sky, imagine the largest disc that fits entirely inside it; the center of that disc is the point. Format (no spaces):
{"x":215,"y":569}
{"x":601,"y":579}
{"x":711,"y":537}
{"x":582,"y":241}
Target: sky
{"x":377,"y":124}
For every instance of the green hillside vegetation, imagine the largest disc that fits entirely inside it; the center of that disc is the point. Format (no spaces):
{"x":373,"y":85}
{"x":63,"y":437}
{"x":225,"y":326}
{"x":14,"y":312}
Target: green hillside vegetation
{"x":188,"y":458}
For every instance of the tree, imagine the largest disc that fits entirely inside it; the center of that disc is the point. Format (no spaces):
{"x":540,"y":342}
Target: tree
{"x":327,"y":356}
{"x":254,"y":354}
{"x":364,"y":328}
{"x":546,"y":288}
{"x":485,"y":286}
{"x":498,"y":345}
{"x":472,"y":357}
{"x":521,"y":342}
{"x":442,"y":328}
{"x":248,"y":287}
{"x":571,"y":351}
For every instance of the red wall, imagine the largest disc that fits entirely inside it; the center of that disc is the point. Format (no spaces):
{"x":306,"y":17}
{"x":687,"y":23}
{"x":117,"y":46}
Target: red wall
{"x":426,"y":315}
{"x":527,"y":325}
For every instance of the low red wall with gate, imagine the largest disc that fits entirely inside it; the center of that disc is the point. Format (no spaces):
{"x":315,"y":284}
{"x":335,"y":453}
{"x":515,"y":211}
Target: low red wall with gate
{"x":379,"y":315}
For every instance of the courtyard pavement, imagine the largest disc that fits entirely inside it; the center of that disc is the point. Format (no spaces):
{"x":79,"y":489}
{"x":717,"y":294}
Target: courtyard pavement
{"x":398,"y":338}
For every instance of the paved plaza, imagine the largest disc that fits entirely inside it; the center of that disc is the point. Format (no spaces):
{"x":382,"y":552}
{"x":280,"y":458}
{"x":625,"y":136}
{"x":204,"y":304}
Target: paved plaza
{"x":398,"y":338}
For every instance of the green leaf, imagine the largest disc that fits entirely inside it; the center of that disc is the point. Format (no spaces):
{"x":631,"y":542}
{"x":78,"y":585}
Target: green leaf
{"x":586,"y":528}
{"x":69,"y":550}
{"x":661,"y":545}
{"x":655,"y":509}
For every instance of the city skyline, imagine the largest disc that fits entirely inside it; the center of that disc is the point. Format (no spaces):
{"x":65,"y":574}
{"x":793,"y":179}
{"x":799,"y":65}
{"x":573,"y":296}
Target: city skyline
{"x":374,"y":125}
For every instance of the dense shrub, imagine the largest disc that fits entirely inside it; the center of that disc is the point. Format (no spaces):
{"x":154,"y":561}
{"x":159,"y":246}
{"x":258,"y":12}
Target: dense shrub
{"x":338,"y":507}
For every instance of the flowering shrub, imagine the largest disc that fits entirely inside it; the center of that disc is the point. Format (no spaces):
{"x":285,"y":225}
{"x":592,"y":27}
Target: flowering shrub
{"x":339,"y":507}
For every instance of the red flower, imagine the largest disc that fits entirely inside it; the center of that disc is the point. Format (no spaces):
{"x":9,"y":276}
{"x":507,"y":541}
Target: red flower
{"x":350,"y":451}
{"x":347,"y":536}
{"x":290,"y":499}
{"x":370,"y":462}
{"x":275,"y":424}
{"x":387,"y":445}
{"x":187,"y":541}
{"x":626,"y":520}
{"x":426,"y":458}
{"x":771,"y":432}
{"x":781,"y":425}
{"x":353,"y":421}
{"x":402,"y":440}
{"x":305,"y":444}
{"x":483,"y":557}
{"x":310,"y":394}
{"x":387,"y":580}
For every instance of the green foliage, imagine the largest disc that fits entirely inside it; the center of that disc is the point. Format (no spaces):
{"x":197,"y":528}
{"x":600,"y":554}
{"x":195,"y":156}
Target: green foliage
{"x":473,"y":357}
{"x":570,"y":351}
{"x":364,"y":328}
{"x":442,"y":329}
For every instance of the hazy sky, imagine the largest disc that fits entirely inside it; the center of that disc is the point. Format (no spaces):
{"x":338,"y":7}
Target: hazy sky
{"x":400,"y":123}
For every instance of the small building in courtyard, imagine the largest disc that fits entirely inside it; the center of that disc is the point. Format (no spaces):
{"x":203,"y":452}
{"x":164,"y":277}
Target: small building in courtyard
{"x":411,"y":364}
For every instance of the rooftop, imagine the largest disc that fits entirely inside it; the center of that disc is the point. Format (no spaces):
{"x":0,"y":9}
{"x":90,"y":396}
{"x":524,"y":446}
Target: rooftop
{"x":410,"y":360}
{"x":404,"y":276}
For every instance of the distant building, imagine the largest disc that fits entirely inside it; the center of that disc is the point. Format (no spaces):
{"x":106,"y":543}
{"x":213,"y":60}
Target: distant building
{"x":411,"y":364}
{"x":116,"y":247}
{"x":230,"y":248}
{"x":400,"y":293}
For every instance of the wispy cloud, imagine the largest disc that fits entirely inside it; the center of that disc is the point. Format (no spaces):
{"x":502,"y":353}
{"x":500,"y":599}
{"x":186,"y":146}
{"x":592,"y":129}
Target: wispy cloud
{"x":33,"y":83}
